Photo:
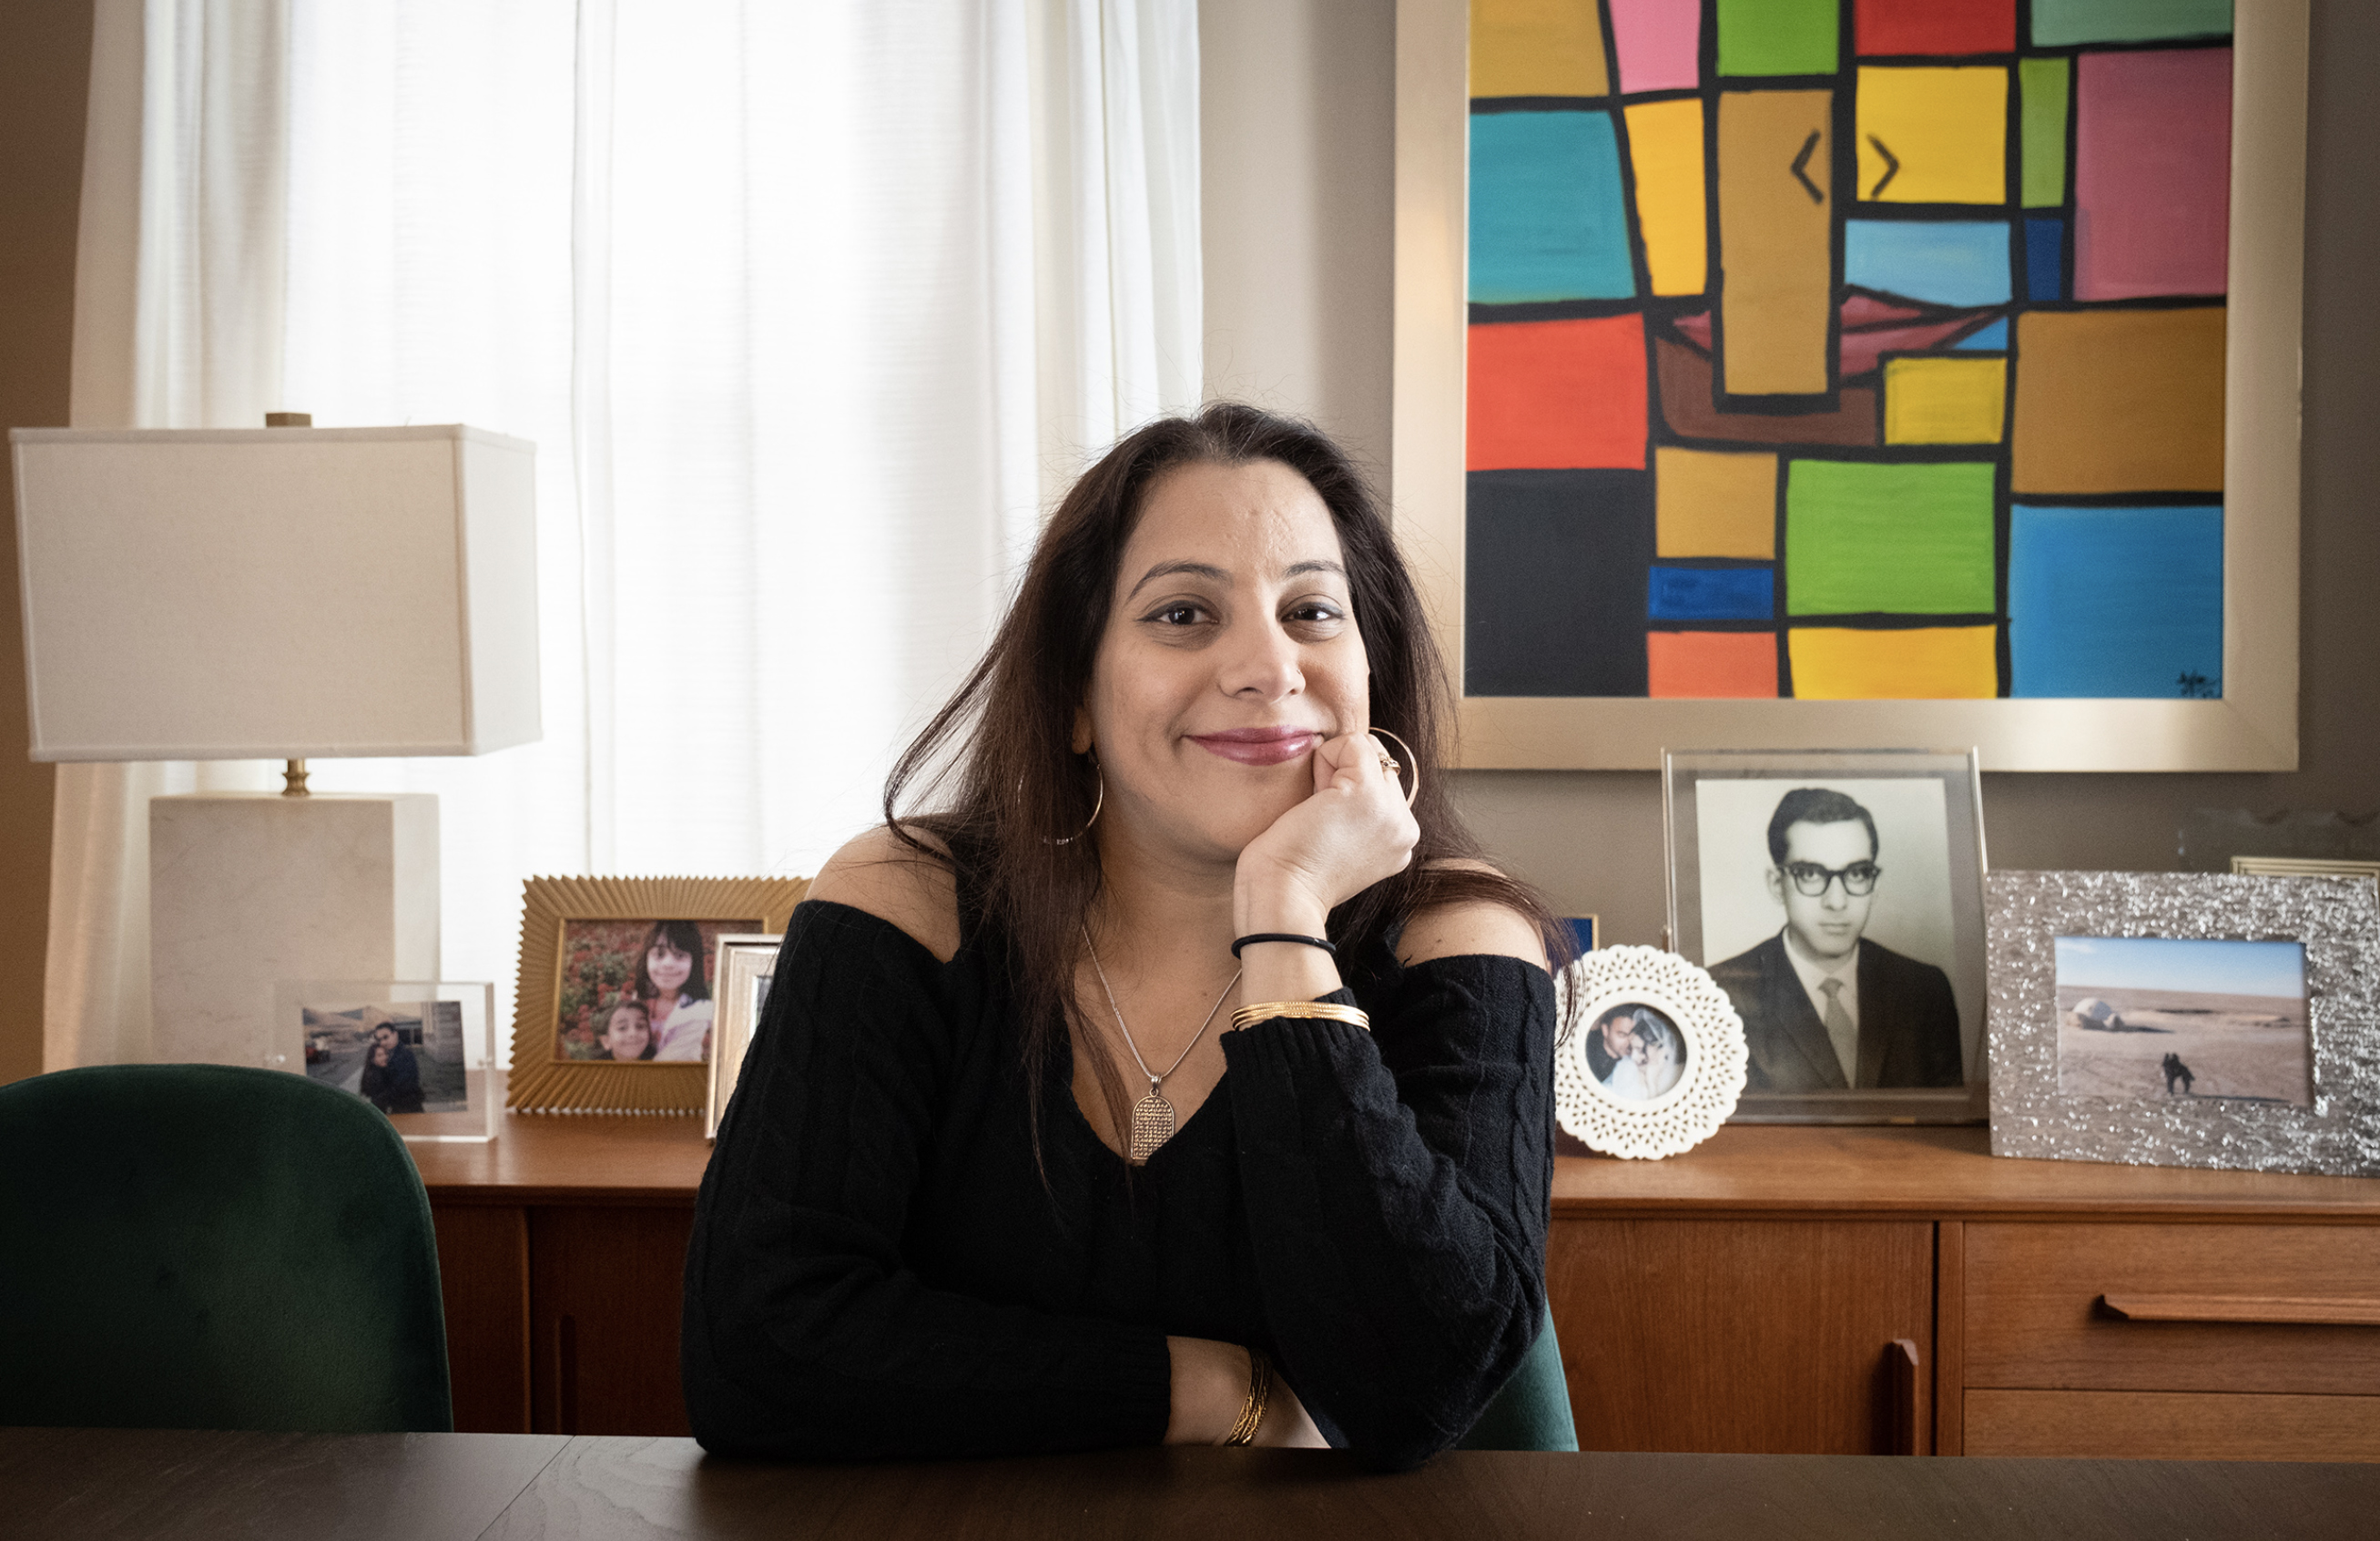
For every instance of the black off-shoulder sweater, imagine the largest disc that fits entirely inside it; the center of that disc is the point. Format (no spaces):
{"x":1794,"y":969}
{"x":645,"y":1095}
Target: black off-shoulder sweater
{"x":880,"y":1269}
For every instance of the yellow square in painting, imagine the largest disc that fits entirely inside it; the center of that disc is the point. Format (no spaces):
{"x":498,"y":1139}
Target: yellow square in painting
{"x":1918,"y":663}
{"x":1538,"y":48}
{"x":1665,"y":143}
{"x":1930,"y":135}
{"x":1714,"y":504}
{"x":1945,"y":400}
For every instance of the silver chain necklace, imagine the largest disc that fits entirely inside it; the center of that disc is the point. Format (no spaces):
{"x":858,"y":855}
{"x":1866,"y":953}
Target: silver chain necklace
{"x":1152,"y":1116}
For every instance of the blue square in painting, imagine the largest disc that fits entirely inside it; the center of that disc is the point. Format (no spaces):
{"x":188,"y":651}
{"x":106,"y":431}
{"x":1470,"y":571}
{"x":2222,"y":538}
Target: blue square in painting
{"x":2044,"y":259}
{"x":1548,"y":217}
{"x":1583,"y":928}
{"x":1991,"y":339}
{"x":2116,"y":602}
{"x":1940,"y":261}
{"x":1711,"y":593}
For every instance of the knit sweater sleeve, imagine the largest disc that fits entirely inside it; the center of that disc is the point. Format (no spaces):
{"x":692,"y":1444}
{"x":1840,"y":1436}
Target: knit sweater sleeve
{"x":804,"y":1334}
{"x":1398,"y":1187}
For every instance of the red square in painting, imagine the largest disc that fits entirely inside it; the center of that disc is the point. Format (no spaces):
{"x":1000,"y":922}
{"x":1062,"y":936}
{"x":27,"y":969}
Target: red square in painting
{"x":1936,"y":26}
{"x":1558,"y":394}
{"x":1711,"y":665}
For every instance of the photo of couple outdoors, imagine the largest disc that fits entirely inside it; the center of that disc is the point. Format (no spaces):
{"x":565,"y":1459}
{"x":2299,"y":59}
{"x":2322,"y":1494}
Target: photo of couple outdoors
{"x":1636,"y":1053}
{"x":639,"y":991}
{"x":401,"y":1058}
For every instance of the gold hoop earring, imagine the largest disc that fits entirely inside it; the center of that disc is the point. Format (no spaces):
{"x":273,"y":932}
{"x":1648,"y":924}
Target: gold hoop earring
{"x":1098,"y":803}
{"x":1394,"y":767}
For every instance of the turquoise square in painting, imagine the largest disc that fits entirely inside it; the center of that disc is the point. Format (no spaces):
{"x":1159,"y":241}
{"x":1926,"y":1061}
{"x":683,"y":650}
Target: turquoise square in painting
{"x":1991,"y":339}
{"x":1547,"y":218}
{"x":2059,"y":22}
{"x":2116,"y":602}
{"x":1940,"y":261}
{"x":1865,"y":538}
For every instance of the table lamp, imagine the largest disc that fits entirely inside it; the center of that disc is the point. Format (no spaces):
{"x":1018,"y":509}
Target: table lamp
{"x":285,"y":592}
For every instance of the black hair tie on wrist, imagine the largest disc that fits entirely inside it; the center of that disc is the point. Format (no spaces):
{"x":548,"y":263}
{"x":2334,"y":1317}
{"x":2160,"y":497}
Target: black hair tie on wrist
{"x":1285,"y":936}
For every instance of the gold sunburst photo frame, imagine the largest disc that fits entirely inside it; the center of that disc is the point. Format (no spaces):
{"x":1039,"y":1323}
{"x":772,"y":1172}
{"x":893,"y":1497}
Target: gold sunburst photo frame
{"x":585,"y":1039}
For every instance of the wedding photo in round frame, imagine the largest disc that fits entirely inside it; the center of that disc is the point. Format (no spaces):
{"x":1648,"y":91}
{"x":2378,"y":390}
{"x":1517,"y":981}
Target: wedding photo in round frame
{"x":1654,"y":1059}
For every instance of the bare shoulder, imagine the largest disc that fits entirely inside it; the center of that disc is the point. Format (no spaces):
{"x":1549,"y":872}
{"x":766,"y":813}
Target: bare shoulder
{"x":880,"y":873}
{"x":1467,"y":926}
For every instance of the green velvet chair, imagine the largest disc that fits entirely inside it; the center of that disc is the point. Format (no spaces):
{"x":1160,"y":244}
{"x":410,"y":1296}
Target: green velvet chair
{"x":1533,"y":1411}
{"x":204,"y":1246}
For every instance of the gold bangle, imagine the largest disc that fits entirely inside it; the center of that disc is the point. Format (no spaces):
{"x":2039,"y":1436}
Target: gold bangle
{"x":1252,"y":1411}
{"x":1320,"y":1011}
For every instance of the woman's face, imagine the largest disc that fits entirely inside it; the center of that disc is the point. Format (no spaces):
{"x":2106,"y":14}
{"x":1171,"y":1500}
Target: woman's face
{"x":668,"y":968}
{"x":380,"y":1054}
{"x":1231,"y":651}
{"x":626,"y":1035}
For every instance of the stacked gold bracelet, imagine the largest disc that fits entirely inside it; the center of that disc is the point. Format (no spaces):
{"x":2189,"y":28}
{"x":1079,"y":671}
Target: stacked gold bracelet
{"x":1252,"y":1412}
{"x":1248,"y":1016}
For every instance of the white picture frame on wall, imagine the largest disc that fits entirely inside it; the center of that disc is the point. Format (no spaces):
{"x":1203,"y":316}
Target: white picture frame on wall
{"x":2253,"y":725}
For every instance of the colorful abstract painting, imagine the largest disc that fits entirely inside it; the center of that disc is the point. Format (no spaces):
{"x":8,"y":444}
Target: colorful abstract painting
{"x":1849,"y":350}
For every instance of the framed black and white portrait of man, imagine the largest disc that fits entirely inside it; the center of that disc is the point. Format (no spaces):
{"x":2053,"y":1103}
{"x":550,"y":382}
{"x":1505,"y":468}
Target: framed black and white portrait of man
{"x":1836,"y":896}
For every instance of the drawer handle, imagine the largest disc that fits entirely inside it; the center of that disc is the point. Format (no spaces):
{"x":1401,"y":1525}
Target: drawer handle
{"x":2298,"y":1310}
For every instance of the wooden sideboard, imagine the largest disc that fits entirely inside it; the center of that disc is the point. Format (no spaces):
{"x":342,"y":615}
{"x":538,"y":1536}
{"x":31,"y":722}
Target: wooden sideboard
{"x":1820,"y":1290}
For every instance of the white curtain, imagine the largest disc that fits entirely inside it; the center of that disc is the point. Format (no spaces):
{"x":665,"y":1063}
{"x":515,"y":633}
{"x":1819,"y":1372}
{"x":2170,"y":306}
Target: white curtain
{"x":809,"y":309}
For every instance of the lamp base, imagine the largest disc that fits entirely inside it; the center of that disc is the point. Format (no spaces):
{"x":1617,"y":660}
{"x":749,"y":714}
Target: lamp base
{"x":250,"y":890}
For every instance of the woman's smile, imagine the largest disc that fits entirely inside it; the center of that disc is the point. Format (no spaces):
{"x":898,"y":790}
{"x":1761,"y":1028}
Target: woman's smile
{"x":1260,"y":746}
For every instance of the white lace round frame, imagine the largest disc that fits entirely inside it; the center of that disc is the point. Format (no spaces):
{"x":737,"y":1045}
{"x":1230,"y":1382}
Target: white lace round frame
{"x":1688,"y":1113}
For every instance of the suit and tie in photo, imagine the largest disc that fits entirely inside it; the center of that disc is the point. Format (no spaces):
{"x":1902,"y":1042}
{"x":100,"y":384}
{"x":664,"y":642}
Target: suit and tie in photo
{"x":1824,"y":1007}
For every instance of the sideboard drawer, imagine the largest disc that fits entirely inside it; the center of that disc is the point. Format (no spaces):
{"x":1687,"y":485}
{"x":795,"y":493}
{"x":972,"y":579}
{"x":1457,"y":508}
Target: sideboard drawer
{"x":2038,"y":1312}
{"x":2172,"y":1426}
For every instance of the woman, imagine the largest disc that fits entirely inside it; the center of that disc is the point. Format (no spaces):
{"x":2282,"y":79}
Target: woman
{"x":1661,"y":1052}
{"x":677,"y":997}
{"x":392,"y":1079}
{"x":922,"y":1233}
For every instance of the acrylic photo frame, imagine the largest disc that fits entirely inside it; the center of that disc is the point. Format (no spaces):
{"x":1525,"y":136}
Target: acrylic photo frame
{"x":2253,"y":726}
{"x":422,"y":1052}
{"x":1924,"y":917}
{"x":2334,"y":920}
{"x":538,"y":1082}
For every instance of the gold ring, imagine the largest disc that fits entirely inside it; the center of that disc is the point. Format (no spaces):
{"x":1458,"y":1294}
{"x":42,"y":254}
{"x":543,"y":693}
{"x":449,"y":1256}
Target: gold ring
{"x":1396,"y":769}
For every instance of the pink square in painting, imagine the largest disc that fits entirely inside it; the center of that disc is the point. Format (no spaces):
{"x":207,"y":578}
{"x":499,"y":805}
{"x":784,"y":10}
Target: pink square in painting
{"x":1659,"y":44}
{"x":2152,"y":173}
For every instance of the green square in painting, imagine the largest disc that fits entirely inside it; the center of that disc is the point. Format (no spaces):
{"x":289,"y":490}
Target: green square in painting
{"x":1901,"y":539}
{"x":1777,"y":37}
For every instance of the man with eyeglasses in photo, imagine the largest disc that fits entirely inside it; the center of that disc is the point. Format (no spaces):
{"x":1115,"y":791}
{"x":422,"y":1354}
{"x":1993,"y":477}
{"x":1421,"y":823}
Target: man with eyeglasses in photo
{"x":1824,"y":1010}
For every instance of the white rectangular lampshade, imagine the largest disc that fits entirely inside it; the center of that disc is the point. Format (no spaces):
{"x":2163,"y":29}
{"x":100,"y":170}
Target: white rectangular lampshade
{"x":278,"y":593}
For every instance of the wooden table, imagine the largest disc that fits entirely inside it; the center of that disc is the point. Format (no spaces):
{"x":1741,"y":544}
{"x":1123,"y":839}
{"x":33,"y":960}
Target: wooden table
{"x":116,"y":1484}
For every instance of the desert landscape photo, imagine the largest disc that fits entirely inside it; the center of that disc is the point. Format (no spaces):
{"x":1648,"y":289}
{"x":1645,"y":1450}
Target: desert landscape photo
{"x":2151,"y":1018}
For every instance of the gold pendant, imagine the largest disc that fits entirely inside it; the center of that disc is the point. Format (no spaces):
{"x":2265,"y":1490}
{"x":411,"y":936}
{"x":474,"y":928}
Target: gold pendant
{"x":1152,"y":1125}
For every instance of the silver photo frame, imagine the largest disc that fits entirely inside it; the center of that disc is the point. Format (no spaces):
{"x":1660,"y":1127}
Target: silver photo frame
{"x":2335,"y":921}
{"x":1918,"y":977}
{"x":743,"y":970}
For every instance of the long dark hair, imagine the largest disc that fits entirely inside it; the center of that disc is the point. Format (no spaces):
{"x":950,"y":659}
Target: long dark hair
{"x":683,"y":936}
{"x":1012,"y":795}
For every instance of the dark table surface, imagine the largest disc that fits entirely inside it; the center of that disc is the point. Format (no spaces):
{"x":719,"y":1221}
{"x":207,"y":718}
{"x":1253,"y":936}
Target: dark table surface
{"x":99,"y":1484}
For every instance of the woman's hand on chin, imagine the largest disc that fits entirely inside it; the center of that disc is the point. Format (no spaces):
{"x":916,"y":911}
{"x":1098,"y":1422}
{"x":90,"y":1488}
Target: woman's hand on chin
{"x":1351,"y":832}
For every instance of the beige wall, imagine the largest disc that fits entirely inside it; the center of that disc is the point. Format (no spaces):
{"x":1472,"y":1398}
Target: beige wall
{"x":1298,"y":100}
{"x":44,"y":66}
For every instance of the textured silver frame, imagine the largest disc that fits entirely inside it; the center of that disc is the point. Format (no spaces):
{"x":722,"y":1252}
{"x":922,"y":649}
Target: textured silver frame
{"x":2253,"y":727}
{"x":2337,"y":921}
{"x":1962,"y":803}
